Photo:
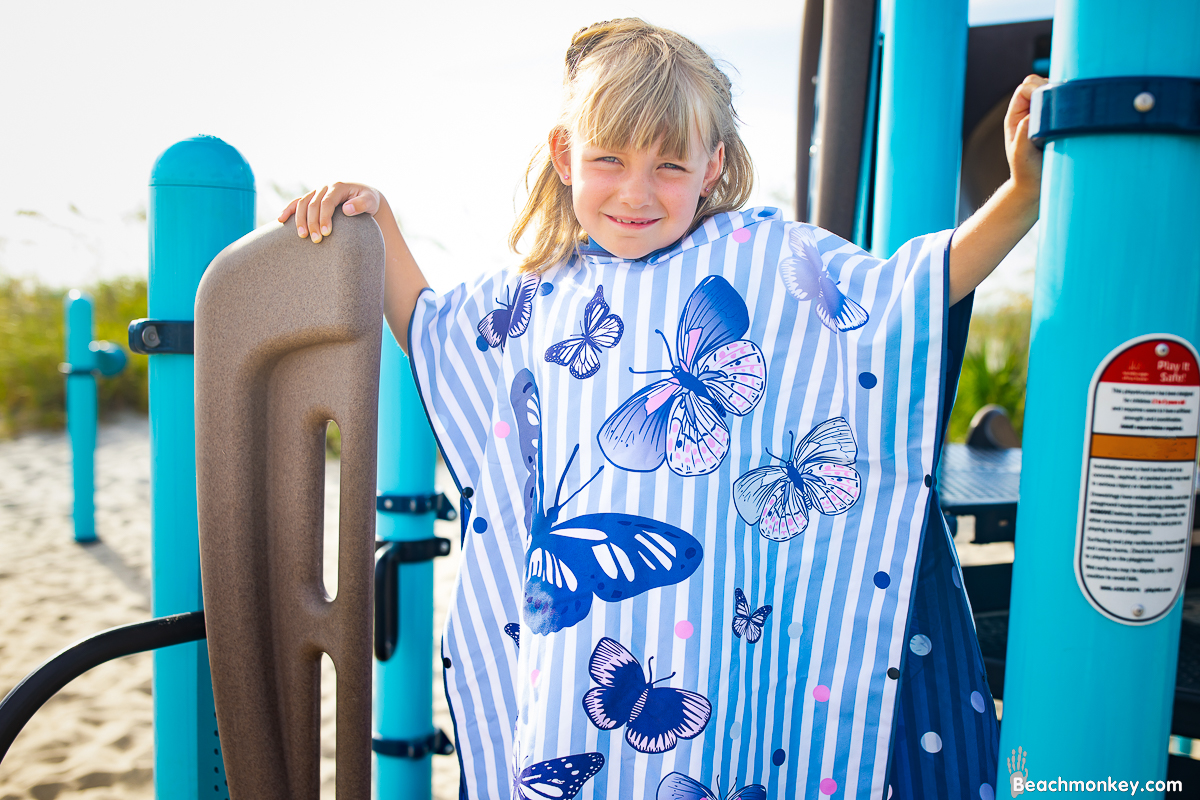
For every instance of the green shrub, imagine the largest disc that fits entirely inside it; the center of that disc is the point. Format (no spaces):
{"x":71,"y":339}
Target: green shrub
{"x":994,"y":367}
{"x":32,"y":390}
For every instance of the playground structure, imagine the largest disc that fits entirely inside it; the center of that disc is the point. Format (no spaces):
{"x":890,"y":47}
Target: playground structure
{"x":888,"y":138}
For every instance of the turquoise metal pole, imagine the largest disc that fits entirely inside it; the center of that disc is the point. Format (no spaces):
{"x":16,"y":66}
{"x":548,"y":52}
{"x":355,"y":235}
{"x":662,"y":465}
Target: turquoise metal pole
{"x":404,"y":683}
{"x":1086,"y":696}
{"x":920,"y":120}
{"x":201,"y":199}
{"x":81,"y":412}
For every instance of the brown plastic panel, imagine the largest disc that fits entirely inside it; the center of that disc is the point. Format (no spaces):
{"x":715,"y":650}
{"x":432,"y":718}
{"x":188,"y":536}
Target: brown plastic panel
{"x":287,"y":337}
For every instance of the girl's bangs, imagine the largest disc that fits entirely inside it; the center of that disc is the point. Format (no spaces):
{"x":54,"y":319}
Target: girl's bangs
{"x":641,"y":109}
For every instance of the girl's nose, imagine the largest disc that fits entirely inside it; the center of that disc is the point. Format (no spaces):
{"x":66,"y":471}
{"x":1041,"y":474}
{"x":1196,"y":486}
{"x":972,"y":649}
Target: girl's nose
{"x":637,"y":191}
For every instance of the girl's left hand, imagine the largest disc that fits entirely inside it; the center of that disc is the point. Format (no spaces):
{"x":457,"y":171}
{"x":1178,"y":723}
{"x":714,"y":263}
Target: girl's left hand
{"x":1024,"y":157}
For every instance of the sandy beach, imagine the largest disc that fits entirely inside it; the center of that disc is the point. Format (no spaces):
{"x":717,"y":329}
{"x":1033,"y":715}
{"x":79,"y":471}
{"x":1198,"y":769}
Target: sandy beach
{"x":94,"y":739}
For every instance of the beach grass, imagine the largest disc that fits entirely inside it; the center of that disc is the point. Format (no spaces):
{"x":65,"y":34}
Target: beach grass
{"x":994,"y":366}
{"x":32,"y":329}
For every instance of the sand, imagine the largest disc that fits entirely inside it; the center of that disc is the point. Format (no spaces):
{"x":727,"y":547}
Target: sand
{"x":94,"y":739}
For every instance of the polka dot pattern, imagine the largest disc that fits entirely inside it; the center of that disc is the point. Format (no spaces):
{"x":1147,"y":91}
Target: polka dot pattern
{"x":986,"y":792}
{"x":684,"y":629}
{"x":867,"y":380}
{"x":778,"y":757}
{"x":977,"y":702}
{"x":482,"y":344}
{"x":882,"y":580}
{"x":828,"y":786}
{"x":547,"y":288}
{"x":920,"y":644}
{"x":795,"y":630}
{"x":480,"y":525}
{"x":931,"y":742}
{"x":735,"y":730}
{"x":533,"y":676}
{"x":956,"y":577}
{"x":445,"y":662}
{"x":502,"y":429}
{"x":821,"y":693}
{"x":741,"y":236}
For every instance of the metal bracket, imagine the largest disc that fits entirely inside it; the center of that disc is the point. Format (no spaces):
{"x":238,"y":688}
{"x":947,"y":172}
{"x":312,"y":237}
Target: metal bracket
{"x":416,"y":504}
{"x":1134,"y":104}
{"x":388,"y":558}
{"x":155,"y":336}
{"x":437,"y":743}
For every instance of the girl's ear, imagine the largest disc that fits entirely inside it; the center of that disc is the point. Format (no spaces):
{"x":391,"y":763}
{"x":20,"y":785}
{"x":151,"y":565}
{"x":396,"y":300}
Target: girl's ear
{"x":560,"y":154}
{"x":712,"y":172}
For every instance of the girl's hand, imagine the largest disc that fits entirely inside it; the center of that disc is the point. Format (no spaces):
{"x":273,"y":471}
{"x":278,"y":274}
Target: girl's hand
{"x":314,"y":211}
{"x":1024,"y":157}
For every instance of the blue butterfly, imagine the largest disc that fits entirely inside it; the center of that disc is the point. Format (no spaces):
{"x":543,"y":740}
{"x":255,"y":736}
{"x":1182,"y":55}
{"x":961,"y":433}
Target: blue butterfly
{"x":683,"y":419}
{"x":820,"y":477}
{"x":656,"y":718}
{"x":512,"y":318}
{"x":806,"y":278}
{"x":677,"y":786}
{"x":599,"y":329}
{"x":556,"y":779}
{"x":611,"y":556}
{"x":745,"y":623}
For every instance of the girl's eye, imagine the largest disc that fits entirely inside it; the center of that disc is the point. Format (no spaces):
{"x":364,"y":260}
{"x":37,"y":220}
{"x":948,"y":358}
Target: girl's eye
{"x":608,"y":159}
{"x":669,"y":165}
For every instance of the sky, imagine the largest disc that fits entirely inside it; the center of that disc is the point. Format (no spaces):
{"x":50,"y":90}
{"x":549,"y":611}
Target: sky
{"x":439,"y":105}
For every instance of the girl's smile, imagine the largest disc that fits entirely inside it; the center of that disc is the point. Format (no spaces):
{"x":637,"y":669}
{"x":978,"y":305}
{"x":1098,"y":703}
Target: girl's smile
{"x":635,"y":201}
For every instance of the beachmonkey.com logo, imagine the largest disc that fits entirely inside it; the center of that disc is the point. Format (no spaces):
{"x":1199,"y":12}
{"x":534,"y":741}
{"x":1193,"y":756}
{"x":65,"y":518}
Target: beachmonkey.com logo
{"x":1020,"y":783}
{"x":1017,"y":772}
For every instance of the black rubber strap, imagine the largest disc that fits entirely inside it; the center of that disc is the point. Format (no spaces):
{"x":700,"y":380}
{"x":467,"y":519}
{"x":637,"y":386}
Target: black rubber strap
{"x":157,"y":336}
{"x":437,"y":743}
{"x":40,"y":685}
{"x":1134,"y":104}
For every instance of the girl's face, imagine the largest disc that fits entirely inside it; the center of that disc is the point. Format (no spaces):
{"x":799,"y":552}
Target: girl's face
{"x":633,"y":202}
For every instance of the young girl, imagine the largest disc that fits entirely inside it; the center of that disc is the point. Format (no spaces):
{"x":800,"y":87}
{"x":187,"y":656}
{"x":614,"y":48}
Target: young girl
{"x":695,"y":446}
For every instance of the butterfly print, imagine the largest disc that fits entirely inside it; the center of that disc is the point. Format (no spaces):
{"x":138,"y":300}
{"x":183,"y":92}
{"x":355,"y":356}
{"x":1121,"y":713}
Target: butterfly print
{"x":684,"y":419}
{"x":745,"y":623}
{"x":599,"y":329}
{"x":512,"y":318}
{"x":806,"y":278}
{"x":513,"y":630}
{"x":820,"y":477}
{"x":556,"y":779}
{"x":611,"y":556}
{"x":655,"y":717}
{"x":677,"y":786}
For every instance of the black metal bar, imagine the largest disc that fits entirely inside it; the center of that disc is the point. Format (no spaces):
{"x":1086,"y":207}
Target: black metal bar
{"x":40,"y":685}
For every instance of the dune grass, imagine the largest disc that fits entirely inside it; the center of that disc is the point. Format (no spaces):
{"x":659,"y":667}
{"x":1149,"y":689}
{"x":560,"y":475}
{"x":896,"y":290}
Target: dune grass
{"x":32,"y":330}
{"x":994,"y":367}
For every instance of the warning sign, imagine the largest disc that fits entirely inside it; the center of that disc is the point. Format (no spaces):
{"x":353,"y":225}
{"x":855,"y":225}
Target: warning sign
{"x":1139,"y":474}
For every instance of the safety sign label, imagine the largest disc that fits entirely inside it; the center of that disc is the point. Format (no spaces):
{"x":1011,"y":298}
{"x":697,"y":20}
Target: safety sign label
{"x":1139,"y":479}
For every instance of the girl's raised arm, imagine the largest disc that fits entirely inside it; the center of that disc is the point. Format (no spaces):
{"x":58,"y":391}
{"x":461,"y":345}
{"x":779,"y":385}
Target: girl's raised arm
{"x":403,"y":280}
{"x":983,"y":241}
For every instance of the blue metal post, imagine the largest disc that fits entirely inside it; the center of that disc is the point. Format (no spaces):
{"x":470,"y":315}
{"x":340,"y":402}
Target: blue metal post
{"x":920,"y":120}
{"x":81,"y":412}
{"x":201,"y":199}
{"x":1118,"y":213}
{"x":404,"y":683}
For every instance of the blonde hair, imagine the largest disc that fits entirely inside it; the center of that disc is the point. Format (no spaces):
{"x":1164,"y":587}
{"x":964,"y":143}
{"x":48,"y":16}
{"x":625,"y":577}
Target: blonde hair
{"x":629,"y":83}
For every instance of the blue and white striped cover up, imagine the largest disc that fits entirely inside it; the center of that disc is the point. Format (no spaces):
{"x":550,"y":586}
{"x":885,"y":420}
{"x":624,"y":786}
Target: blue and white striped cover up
{"x":696,"y":489}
